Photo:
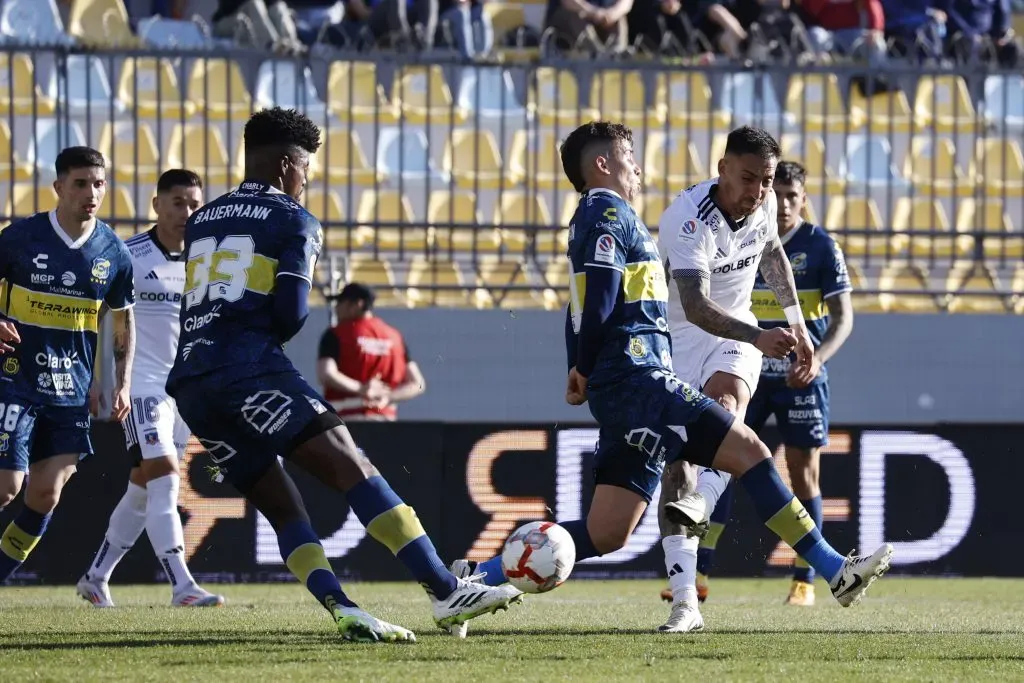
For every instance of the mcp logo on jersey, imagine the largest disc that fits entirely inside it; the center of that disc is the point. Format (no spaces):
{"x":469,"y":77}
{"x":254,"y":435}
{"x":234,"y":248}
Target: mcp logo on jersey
{"x":689,"y":227}
{"x":604,"y":249}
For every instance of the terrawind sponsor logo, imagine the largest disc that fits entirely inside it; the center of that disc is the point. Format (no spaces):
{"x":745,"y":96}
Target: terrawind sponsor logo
{"x":48,"y":307}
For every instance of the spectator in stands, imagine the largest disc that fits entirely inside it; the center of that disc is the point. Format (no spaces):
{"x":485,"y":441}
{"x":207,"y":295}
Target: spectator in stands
{"x":466,"y":27}
{"x":392,"y":22}
{"x":849,"y":27}
{"x":662,"y":27}
{"x":981,"y":29}
{"x":264,"y":23}
{"x":319,"y":20}
{"x":726,"y":23}
{"x":593,"y":25}
{"x":915,"y":27}
{"x":364,"y":364}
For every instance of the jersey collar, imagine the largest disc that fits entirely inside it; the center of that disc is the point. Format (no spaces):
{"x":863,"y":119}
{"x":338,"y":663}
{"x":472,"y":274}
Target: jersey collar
{"x":163,"y":250}
{"x":71,"y":244}
{"x":734,"y":225}
{"x":792,"y":233}
{"x":596,"y":190}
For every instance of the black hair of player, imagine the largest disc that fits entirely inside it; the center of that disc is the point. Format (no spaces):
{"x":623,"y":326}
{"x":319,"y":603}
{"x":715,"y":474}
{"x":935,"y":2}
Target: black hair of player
{"x":71,"y":158}
{"x":178,"y":177}
{"x":574,"y":149}
{"x":790,"y":173}
{"x":358,"y":292}
{"x":751,"y":140}
{"x":277,"y":127}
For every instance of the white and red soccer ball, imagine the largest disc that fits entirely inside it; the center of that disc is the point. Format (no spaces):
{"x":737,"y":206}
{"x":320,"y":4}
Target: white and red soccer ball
{"x":538,"y":557}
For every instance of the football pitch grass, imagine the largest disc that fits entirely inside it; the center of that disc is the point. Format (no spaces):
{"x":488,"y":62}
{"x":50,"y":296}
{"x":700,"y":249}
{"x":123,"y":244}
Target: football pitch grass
{"x":907,"y":629}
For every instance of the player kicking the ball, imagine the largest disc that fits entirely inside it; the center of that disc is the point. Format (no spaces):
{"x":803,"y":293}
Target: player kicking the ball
{"x":249,"y":269}
{"x":620,"y":361}
{"x":155,"y":433}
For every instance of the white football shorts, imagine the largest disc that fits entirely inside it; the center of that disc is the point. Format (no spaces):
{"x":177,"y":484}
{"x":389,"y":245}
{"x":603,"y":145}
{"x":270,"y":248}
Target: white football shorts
{"x":154,"y":429}
{"x":697,"y":355}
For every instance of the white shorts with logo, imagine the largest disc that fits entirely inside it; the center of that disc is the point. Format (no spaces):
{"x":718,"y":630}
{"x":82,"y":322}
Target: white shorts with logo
{"x":154,"y":429}
{"x":697,"y":355}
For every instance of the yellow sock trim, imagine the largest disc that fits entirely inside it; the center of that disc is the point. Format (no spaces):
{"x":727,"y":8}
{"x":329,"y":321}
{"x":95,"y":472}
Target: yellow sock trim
{"x":800,"y":563}
{"x":791,"y":523}
{"x":16,"y":544}
{"x":710,"y":540}
{"x":396,"y":527}
{"x":306,"y":559}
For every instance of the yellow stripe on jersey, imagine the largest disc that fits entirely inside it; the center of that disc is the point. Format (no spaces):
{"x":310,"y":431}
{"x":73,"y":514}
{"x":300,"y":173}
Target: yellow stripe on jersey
{"x":53,"y":311}
{"x":261,"y":274}
{"x":766,"y":307}
{"x":644,"y":281}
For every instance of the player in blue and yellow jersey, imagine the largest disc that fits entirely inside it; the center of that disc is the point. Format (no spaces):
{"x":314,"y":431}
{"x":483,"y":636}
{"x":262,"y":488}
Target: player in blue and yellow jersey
{"x":248,"y":273}
{"x":58,"y":268}
{"x":797,"y":396}
{"x":620,"y":361}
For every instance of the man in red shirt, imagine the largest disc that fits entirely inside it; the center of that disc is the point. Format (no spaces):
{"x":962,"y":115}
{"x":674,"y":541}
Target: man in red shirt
{"x":363,"y":364}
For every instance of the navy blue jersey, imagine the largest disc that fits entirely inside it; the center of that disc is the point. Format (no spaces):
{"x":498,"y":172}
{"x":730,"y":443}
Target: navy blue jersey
{"x":819,"y":270}
{"x":53,"y":290}
{"x":237,"y":247}
{"x":606,"y":233}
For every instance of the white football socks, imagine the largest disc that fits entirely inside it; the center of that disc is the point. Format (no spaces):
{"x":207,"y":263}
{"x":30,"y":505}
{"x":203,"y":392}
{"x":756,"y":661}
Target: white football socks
{"x":126,"y":525}
{"x":164,"y":528}
{"x":712,"y":484}
{"x":681,"y":565}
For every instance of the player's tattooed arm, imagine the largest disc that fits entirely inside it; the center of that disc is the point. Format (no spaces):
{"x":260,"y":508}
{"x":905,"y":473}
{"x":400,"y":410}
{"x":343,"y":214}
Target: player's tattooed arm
{"x":124,"y":345}
{"x":777,"y":273}
{"x":695,"y":293}
{"x":840,"y":325}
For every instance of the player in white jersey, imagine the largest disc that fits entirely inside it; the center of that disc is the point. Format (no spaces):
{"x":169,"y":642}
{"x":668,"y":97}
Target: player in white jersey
{"x":716,"y":235}
{"x":154,"y":431}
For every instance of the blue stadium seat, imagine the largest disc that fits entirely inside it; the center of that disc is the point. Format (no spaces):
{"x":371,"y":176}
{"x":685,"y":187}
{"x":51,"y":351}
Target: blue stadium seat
{"x":490,"y":93}
{"x":1004,"y":102}
{"x":33,"y":21}
{"x":51,"y":136}
{"x":751,"y":98}
{"x":172,"y":33}
{"x":869,"y":162}
{"x":406,"y":153}
{"x":289,"y":84}
{"x":88,"y":86}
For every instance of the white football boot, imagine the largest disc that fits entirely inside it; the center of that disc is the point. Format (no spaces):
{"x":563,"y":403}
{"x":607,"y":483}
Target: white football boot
{"x":94,"y":591}
{"x":858,"y":573}
{"x":358,"y":626}
{"x":197,"y":597}
{"x":471,"y":599}
{"x":463,"y":569}
{"x":691,"y":512}
{"x":684,"y":619}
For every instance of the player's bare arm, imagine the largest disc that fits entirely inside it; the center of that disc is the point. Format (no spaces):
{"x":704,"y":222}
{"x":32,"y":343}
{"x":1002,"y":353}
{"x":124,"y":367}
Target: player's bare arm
{"x":778,"y":275}
{"x":8,"y":335}
{"x":840,"y":326}
{"x":124,"y":356}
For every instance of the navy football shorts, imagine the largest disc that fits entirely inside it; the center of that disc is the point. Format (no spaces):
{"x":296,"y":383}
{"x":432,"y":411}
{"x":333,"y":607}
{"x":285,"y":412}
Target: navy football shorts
{"x":30,"y":432}
{"x":801,"y":414}
{"x":246,"y":423}
{"x":649,"y":421}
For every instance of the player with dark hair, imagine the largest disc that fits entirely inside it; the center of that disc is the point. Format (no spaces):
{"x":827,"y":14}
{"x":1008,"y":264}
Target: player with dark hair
{"x":250,"y":260}
{"x":798,"y":395}
{"x":620,"y":361}
{"x":59,"y":268}
{"x":155,"y":433}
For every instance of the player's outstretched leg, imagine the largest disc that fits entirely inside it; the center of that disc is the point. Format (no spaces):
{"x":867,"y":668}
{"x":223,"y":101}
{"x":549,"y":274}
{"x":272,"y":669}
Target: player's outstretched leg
{"x":127,"y":522}
{"x":804,"y":466}
{"x":706,"y":552}
{"x":680,"y":548}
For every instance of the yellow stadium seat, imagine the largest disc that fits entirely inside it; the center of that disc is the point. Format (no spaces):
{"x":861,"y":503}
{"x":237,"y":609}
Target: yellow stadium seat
{"x":441,"y":284}
{"x":149,"y":86}
{"x":860,"y":213}
{"x":26,"y":200}
{"x":390,"y":216}
{"x":556,"y":275}
{"x":816,"y":102}
{"x":975,"y":289}
{"x":329,"y":208}
{"x":932,"y":167}
{"x":131,"y":152}
{"x":536,"y":165}
{"x":991,"y":217}
{"x":216,"y":88}
{"x":504,"y":18}
{"x":11,"y":166}
{"x":456,"y":224}
{"x":354,"y":93}
{"x":18,"y":88}
{"x":672,"y":161}
{"x":380,"y":276}
{"x":650,"y":207}
{"x":520,"y":215}
{"x":509,"y":286}
{"x":944,"y":103}
{"x":101,"y":22}
{"x":620,"y":95}
{"x":1000,"y":167}
{"x":883,"y":113}
{"x":118,"y":211}
{"x":555,"y":97}
{"x":423,"y":95}
{"x":344,"y":157}
{"x":905,"y":289}
{"x":922,"y":214}
{"x":810,"y":153}
{"x":863,"y":302}
{"x":202,"y":149}
{"x":688,"y":102}
{"x":473,"y":159}
{"x":570,"y":203}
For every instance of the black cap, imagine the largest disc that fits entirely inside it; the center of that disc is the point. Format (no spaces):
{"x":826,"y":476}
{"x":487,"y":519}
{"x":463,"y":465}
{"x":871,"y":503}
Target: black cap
{"x":355,"y":291}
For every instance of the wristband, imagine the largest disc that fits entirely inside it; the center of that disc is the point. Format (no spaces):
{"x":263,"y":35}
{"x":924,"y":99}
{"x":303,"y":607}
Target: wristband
{"x":794,"y":316}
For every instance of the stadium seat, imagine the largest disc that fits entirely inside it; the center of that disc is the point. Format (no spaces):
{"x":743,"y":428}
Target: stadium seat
{"x":11,"y":167}
{"x":119,"y":212}
{"x":489,"y":92}
{"x":975,"y":289}
{"x":520,"y":215}
{"x":473,"y":159}
{"x":423,"y":96}
{"x":329,"y":208}
{"x":88,"y":90}
{"x":354,"y":93}
{"x":504,"y":18}
{"x":217,"y":89}
{"x":289,"y":84}
{"x":405,"y":151}
{"x":650,"y":207}
{"x":536,"y":163}
{"x":1000,"y":167}
{"x":149,"y":88}
{"x":905,"y":289}
{"x":18,"y":88}
{"x":201,"y":148}
{"x":1003,"y":106}
{"x":27,"y":199}
{"x":179,"y":34}
{"x":570,"y":202}
{"x":868,"y":163}
{"x":688,"y":100}
{"x":944,"y":103}
{"x":750,"y":98}
{"x":815,"y":101}
{"x":49,"y":138}
{"x":33,"y":21}
{"x":555,"y":98}
{"x":509,"y":285}
{"x":810,"y":152}
{"x":131,"y":152}
{"x":620,"y":95}
{"x":991,"y":217}
{"x":457,"y":226}
{"x":863,"y":302}
{"x":381,"y":277}
{"x":390,"y":217}
{"x":925,"y":215}
{"x":344,"y":157}
{"x":860,"y":213}
{"x":671,"y":161}
{"x":932,"y":167}
{"x":441,"y":284}
{"x":885,"y":113}
{"x":101,"y":23}
{"x":556,"y":274}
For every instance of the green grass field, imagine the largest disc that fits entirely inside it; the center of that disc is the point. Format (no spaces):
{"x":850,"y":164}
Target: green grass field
{"x":907,"y":629}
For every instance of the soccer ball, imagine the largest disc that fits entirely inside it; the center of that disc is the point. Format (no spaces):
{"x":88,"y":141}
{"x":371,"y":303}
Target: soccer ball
{"x":538,"y":557}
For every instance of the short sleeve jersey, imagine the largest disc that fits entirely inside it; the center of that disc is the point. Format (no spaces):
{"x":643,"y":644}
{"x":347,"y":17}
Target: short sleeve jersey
{"x":53,"y":289}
